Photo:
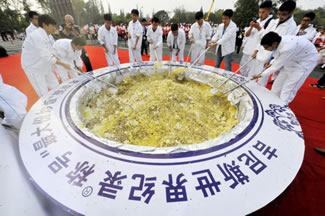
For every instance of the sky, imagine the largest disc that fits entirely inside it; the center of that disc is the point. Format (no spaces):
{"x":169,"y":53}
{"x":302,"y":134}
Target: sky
{"x":147,"y":6}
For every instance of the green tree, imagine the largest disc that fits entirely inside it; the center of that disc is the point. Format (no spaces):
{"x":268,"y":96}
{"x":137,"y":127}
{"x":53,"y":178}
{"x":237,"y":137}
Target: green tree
{"x":245,"y":11}
{"x":215,"y":17}
{"x":179,"y":16}
{"x":120,"y":19}
{"x":27,"y":9}
{"x":319,"y":18}
{"x":190,"y":17}
{"x":78,"y":7}
{"x":11,"y":20}
{"x":92,"y":9}
{"x":163,"y":16}
{"x":45,"y":5}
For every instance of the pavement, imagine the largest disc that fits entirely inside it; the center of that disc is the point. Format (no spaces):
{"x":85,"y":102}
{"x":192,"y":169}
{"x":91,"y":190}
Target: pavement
{"x":15,"y":46}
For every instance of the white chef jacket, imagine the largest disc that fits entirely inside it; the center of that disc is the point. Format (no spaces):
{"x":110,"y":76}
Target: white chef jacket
{"x":155,"y":36}
{"x":253,"y":40}
{"x":136,"y":30}
{"x":64,"y":51}
{"x":289,"y":27}
{"x":292,"y":49}
{"x":109,"y":38}
{"x":309,"y":33}
{"x":30,"y":29}
{"x":200,"y":34}
{"x":227,"y":40}
{"x":181,"y":39}
{"x":37,"y":51}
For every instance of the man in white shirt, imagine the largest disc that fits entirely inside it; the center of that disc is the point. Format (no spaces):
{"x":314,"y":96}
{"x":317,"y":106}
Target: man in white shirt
{"x":135,"y":33}
{"x":225,"y":40}
{"x":176,"y":42}
{"x":306,"y":29}
{"x":38,"y":57}
{"x":284,"y":25}
{"x":33,"y":17}
{"x":252,"y":36}
{"x":69,"y":52}
{"x":154,"y":36}
{"x":108,"y":38}
{"x":295,"y":57}
{"x":200,"y":35}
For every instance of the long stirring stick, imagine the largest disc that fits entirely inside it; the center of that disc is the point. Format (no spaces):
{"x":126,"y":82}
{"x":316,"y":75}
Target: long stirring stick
{"x":90,"y":76}
{"x":189,"y":52}
{"x":170,"y":60}
{"x":118,"y":68}
{"x":243,"y":83}
{"x":200,"y":56}
{"x":235,"y":73}
{"x":95,"y":78}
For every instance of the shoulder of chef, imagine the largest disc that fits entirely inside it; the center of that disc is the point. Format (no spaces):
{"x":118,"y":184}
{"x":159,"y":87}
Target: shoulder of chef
{"x":39,"y":34}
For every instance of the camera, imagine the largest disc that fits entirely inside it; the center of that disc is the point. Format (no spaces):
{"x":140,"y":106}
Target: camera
{"x":254,"y":20}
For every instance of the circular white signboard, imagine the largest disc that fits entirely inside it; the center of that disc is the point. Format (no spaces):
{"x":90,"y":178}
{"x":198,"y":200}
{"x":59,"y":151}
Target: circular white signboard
{"x":88,"y":177}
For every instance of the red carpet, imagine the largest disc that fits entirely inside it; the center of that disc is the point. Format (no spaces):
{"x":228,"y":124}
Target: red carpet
{"x":304,"y":196}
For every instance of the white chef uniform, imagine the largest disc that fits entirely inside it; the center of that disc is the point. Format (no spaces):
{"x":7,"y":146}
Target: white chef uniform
{"x":110,"y":39}
{"x":252,"y":42}
{"x":66,"y":54}
{"x":295,"y":58}
{"x":200,"y":36}
{"x":309,"y":33}
{"x":37,"y":59}
{"x":157,"y":42}
{"x":287,"y":28}
{"x":30,"y":29}
{"x":176,"y":43}
{"x":135,"y":29}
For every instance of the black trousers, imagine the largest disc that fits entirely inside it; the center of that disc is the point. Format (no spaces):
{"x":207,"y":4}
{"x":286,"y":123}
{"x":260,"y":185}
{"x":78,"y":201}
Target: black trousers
{"x":144,"y":47}
{"x":321,"y":81}
{"x":238,"y":45}
{"x":85,"y":59}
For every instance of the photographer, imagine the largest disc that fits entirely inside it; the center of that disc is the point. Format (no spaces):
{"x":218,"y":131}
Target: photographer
{"x":71,"y":30}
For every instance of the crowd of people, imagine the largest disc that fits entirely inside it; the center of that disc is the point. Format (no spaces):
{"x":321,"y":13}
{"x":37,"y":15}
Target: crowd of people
{"x":272,"y":46}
